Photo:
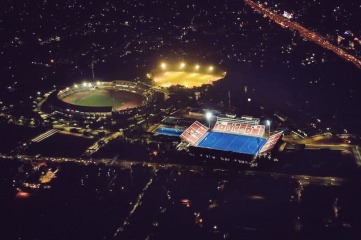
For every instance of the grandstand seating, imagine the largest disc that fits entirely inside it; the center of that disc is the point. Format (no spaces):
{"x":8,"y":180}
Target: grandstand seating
{"x":56,"y":103}
{"x":271,"y":142}
{"x":237,"y":127}
{"x":195,"y":133}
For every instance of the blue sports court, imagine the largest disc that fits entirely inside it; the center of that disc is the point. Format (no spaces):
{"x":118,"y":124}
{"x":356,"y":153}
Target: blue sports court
{"x":169,"y":131}
{"x":232,"y":142}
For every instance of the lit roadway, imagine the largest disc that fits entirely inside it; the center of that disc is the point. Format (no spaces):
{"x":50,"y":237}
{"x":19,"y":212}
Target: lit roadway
{"x":324,"y":181}
{"x":304,"y":32}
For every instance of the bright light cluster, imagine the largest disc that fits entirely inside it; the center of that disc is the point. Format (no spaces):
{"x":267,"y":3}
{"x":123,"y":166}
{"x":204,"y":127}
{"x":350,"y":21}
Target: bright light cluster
{"x":182,"y":66}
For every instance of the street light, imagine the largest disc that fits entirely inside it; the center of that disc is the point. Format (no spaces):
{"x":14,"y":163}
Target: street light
{"x":268,"y":122}
{"x":209,"y":116}
{"x":197,"y":67}
{"x":211,"y":68}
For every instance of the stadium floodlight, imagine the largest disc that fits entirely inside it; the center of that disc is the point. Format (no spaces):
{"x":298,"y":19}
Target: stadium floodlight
{"x":197,"y":67}
{"x":211,"y":68}
{"x":268,"y":123}
{"x":209,"y":115}
{"x":182,"y":65}
{"x":163,"y":66}
{"x":248,"y":103}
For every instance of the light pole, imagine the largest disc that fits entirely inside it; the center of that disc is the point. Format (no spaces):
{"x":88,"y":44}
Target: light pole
{"x":182,"y":65}
{"x":92,"y":67}
{"x":248,"y":103}
{"x":268,"y":122}
{"x":209,"y":116}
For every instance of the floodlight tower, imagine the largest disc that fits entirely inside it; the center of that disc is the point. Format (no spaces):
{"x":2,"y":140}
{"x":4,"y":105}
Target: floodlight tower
{"x":92,"y":68}
{"x":229,"y":100}
{"x":182,"y":65}
{"x":248,"y":103}
{"x":209,"y":115}
{"x":268,"y":123}
{"x":163,"y":66}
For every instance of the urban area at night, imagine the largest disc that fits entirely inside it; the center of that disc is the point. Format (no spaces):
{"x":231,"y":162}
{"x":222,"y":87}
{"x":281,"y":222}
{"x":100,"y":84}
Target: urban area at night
{"x":158,"y":119}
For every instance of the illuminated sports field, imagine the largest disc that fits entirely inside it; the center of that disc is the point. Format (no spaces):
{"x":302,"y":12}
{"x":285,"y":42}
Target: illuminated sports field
{"x":104,"y":97}
{"x":187,"y":79}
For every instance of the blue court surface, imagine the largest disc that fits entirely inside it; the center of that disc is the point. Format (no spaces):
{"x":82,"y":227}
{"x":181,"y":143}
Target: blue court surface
{"x":233,"y":143}
{"x":169,"y":131}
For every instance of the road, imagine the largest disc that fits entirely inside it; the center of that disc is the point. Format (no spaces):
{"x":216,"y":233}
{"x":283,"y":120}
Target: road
{"x":304,"y":32}
{"x":306,"y":179}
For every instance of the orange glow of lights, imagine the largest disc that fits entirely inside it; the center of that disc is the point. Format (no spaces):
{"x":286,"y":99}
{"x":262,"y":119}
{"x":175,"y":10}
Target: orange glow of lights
{"x":22,"y":194}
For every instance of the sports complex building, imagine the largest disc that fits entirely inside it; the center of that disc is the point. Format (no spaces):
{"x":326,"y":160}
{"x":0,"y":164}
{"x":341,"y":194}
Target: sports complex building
{"x":101,"y":98}
{"x":245,"y":138}
{"x":229,"y":139}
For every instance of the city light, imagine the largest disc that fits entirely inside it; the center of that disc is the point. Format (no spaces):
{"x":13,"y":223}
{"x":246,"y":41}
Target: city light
{"x":211,"y":68}
{"x":84,"y":84}
{"x":305,"y":33}
{"x":197,"y":67}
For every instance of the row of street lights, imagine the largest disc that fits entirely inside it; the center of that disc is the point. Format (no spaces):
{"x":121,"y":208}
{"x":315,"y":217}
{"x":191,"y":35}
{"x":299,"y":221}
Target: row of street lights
{"x":183,"y":65}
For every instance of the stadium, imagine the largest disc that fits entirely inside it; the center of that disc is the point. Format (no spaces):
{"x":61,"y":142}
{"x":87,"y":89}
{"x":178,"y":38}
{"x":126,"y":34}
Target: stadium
{"x":189,"y":76}
{"x":101,"y":98}
{"x":242,"y":137}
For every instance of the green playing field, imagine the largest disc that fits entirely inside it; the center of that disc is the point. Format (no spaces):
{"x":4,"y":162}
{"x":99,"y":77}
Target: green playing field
{"x":187,"y":79}
{"x":102,"y":98}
